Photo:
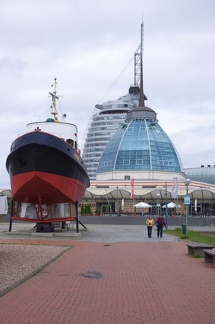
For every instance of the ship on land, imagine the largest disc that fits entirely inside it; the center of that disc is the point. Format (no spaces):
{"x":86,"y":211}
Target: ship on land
{"x":47,"y":174}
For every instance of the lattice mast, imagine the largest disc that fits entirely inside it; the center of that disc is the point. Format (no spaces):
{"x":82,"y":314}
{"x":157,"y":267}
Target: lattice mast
{"x":138,"y":54}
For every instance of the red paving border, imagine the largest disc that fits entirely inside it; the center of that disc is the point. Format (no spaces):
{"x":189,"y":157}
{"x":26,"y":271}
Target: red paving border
{"x":115,"y":283}
{"x":64,"y":242}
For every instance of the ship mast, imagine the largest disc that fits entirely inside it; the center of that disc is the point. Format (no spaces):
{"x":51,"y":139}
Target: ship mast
{"x":54,"y":97}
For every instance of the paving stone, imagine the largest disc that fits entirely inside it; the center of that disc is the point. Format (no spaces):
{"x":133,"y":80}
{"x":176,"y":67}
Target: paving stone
{"x":116,"y":275}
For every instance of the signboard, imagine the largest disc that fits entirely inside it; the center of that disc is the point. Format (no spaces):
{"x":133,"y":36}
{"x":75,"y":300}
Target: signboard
{"x":3,"y":205}
{"x":187,"y":200}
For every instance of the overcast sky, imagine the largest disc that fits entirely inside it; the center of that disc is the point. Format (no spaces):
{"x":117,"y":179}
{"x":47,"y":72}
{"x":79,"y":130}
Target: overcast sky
{"x":89,"y":47}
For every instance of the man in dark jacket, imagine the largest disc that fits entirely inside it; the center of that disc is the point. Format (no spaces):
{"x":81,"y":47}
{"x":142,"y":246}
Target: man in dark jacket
{"x":160,"y":223}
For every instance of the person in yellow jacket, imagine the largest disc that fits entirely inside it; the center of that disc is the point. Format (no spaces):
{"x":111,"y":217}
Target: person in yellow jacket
{"x":149,"y":223}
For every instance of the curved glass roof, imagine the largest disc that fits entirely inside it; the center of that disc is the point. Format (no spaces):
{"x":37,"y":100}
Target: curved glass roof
{"x":203,"y":174}
{"x":104,"y":125}
{"x":140,"y":144}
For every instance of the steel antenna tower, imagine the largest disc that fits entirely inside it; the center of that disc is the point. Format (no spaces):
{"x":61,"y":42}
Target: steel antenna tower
{"x":138,"y":54}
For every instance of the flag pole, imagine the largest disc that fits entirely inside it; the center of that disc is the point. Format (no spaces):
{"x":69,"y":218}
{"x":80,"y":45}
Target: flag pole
{"x":132,"y":196}
{"x":133,"y":200}
{"x":174,"y":193}
{"x":166,"y":205}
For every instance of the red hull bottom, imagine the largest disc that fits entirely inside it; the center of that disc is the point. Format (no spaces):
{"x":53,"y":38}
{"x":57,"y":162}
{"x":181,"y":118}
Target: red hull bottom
{"x":45,"y":188}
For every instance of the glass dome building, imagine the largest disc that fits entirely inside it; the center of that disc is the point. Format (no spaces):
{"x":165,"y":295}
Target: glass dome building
{"x":103,"y":126}
{"x":108,"y":116}
{"x":140,"y":149}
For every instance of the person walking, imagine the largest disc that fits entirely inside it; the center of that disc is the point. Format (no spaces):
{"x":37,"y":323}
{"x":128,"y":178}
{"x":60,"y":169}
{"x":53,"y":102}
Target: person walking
{"x":149,"y":223}
{"x":160,"y":223}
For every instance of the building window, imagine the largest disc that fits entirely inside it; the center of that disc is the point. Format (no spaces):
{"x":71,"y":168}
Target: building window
{"x":126,"y":162}
{"x":139,"y":162}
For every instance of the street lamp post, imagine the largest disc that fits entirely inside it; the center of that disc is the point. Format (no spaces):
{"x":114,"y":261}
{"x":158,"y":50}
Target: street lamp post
{"x":158,"y":204}
{"x":187,"y":202}
{"x":166,"y":212}
{"x":117,"y":203}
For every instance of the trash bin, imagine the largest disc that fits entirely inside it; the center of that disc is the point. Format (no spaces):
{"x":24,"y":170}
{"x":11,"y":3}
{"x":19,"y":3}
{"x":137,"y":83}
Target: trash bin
{"x":183,"y":228}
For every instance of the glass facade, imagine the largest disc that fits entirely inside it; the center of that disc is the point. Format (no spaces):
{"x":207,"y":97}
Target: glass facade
{"x":140,"y":144}
{"x":106,"y":121}
{"x":104,"y":125}
{"x":202,"y":174}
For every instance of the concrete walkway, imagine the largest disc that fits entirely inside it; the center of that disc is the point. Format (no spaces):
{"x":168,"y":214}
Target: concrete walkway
{"x":113,"y":275}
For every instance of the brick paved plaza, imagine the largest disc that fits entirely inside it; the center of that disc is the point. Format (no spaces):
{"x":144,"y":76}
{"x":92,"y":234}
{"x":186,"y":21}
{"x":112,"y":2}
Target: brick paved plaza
{"x":114,"y":282}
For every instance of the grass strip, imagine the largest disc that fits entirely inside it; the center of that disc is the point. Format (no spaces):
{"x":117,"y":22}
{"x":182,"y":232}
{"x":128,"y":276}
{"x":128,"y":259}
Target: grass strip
{"x":193,"y":236}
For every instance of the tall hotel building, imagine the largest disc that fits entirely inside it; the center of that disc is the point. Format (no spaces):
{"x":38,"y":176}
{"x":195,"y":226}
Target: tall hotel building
{"x":105,"y":122}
